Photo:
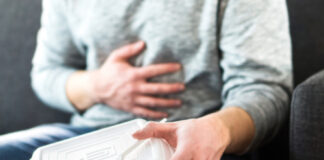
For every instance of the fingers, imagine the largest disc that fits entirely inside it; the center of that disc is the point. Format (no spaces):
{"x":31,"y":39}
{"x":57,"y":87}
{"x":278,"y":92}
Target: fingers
{"x":127,"y":51}
{"x":154,"y":130}
{"x":158,"y":69}
{"x":157,"y":102}
{"x":144,"y":112}
{"x":160,"y":88}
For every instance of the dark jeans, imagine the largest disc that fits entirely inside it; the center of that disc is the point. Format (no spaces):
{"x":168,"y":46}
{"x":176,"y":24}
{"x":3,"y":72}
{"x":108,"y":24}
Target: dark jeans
{"x":21,"y":145}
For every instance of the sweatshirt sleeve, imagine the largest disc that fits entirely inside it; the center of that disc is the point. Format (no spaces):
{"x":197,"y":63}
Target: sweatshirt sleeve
{"x":256,"y":63}
{"x":56,"y":57}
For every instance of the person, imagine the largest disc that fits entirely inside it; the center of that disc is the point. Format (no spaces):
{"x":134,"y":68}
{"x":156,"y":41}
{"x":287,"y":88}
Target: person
{"x":107,"y":62}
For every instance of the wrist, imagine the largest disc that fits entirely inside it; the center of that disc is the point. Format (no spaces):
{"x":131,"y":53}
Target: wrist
{"x":220,"y":127}
{"x":239,"y":125}
{"x":79,"y":90}
{"x":91,"y":86}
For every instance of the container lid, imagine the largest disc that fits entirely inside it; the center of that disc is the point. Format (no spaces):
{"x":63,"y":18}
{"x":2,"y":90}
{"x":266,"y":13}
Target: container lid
{"x":107,"y":144}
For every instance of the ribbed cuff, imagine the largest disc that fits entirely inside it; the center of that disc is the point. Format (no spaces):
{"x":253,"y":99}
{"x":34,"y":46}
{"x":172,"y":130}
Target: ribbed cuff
{"x":253,"y":108}
{"x":63,"y":102}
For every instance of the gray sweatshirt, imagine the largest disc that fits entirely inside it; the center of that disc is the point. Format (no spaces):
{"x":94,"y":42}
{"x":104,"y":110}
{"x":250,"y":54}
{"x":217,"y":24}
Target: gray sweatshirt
{"x":252,"y":71}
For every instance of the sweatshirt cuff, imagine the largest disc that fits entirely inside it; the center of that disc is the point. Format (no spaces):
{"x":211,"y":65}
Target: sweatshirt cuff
{"x":253,"y":108}
{"x":64,"y":103}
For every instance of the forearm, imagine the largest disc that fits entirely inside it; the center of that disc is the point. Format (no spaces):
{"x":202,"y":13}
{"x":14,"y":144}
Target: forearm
{"x":78,"y":90}
{"x":240,"y":127}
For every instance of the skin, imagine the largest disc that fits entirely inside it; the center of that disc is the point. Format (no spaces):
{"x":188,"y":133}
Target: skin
{"x":122,"y":86}
{"x":207,"y":138}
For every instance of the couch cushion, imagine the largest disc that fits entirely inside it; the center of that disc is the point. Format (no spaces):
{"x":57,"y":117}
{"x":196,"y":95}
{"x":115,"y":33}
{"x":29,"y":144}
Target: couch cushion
{"x":19,"y":108}
{"x":307,"y":120}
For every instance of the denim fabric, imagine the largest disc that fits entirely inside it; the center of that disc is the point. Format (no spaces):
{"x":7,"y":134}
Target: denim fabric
{"x":307,"y":120}
{"x":21,"y":145}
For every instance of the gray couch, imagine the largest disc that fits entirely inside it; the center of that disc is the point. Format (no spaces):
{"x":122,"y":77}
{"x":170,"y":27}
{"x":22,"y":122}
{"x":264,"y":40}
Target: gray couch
{"x":307,"y":120}
{"x":20,"y":109}
{"x":307,"y":107}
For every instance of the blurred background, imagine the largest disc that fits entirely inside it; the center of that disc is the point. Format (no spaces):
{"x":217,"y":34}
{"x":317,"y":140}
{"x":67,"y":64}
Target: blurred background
{"x":20,"y":21}
{"x":19,"y":107}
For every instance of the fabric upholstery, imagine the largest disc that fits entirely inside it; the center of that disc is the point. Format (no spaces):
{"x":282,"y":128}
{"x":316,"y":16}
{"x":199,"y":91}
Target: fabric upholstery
{"x":307,"y":120}
{"x":306,"y":126}
{"x":19,"y":107}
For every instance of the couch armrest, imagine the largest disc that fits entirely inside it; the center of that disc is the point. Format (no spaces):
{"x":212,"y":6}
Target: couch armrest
{"x":307,"y":120}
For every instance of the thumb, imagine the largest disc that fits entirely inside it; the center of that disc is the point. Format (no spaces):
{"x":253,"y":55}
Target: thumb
{"x":127,"y":51}
{"x":155,"y":130}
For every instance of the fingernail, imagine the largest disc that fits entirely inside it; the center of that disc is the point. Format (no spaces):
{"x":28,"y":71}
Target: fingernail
{"x":178,"y":66}
{"x":182,"y":86}
{"x":139,"y":44}
{"x":179,"y":103}
{"x":135,"y":134}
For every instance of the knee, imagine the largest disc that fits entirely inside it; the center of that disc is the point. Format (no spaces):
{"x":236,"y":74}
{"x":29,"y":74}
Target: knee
{"x":13,"y":149}
{"x":18,"y":145}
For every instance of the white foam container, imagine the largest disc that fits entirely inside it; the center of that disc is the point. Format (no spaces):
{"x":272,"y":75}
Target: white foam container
{"x":107,"y":144}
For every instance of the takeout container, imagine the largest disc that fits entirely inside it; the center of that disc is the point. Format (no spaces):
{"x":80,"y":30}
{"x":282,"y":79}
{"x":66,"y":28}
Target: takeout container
{"x":112,"y":143}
